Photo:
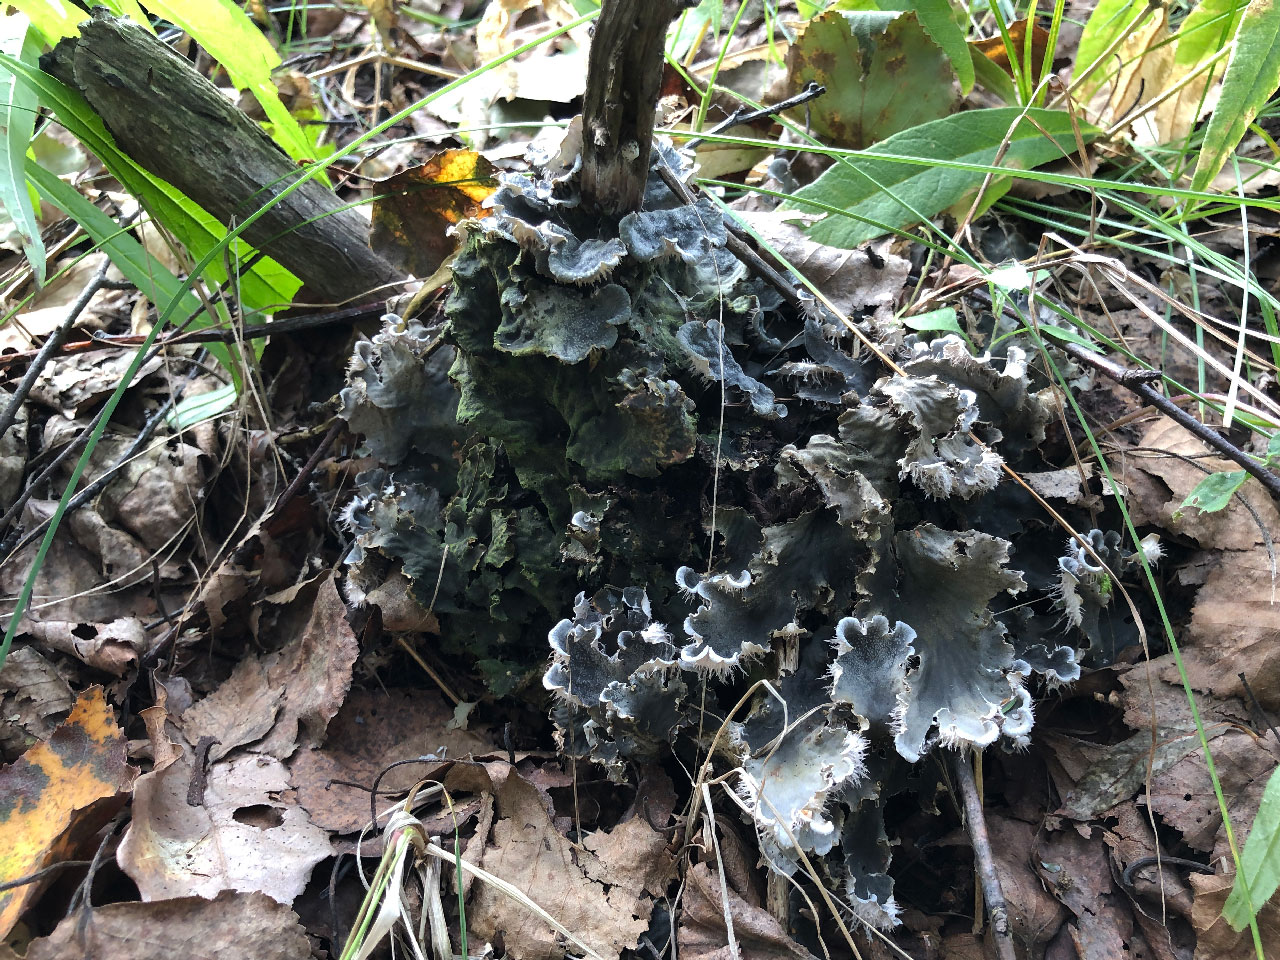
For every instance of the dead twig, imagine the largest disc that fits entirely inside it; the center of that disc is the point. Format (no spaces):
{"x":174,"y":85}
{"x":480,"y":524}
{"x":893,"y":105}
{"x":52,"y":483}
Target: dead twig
{"x":51,"y":345}
{"x":1139,"y":381}
{"x":984,"y":860}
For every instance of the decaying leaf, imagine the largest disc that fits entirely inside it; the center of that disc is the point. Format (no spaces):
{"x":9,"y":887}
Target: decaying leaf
{"x":244,"y":832}
{"x":231,"y":924}
{"x":52,"y":788}
{"x":288,"y":697}
{"x":415,"y":210}
{"x":882,"y":70}
{"x":605,"y":897}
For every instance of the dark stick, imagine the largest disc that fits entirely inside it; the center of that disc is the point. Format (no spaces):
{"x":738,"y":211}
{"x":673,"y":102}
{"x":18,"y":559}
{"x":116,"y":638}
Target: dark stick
{"x":1262,"y":714}
{"x":984,"y":860}
{"x":743,"y":115}
{"x":1139,"y":381}
{"x":52,"y":343}
{"x":624,"y":78}
{"x":309,"y":467}
{"x":252,"y":331}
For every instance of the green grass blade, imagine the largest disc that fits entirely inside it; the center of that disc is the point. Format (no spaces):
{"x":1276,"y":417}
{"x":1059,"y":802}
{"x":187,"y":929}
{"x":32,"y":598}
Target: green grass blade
{"x":884,"y":189}
{"x":1260,"y":861}
{"x":1253,"y":73}
{"x":18,"y":119}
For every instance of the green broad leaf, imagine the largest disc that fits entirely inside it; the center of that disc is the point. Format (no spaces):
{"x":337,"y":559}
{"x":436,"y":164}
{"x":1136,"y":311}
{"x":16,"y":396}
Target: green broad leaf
{"x":1068,"y":335}
{"x":131,"y":258}
{"x":52,"y":19}
{"x":1273,"y":450}
{"x":263,"y":287}
{"x":1260,"y":861}
{"x":687,"y":28}
{"x":231,"y":38}
{"x":206,"y":406}
{"x":1253,"y":73}
{"x":938,"y":18}
{"x":883,"y":74}
{"x":991,"y":77}
{"x":879,"y":187}
{"x":941,"y":320}
{"x":1213,"y":493}
{"x":1110,"y":20}
{"x":18,"y":104}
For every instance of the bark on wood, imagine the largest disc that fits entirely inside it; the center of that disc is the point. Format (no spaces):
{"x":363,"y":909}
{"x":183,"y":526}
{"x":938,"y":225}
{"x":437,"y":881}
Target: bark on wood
{"x":624,"y":77}
{"x":176,"y":124}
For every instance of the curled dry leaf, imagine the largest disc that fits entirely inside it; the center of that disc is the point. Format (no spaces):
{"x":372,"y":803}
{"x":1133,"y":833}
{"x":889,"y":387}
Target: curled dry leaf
{"x":49,"y":798}
{"x":287,"y":695}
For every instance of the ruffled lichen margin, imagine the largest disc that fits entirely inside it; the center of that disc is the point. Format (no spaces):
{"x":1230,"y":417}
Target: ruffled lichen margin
{"x":550,"y":453}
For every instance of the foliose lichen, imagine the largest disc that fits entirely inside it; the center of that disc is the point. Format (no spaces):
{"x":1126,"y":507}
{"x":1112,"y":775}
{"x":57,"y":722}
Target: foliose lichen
{"x":739,"y":499}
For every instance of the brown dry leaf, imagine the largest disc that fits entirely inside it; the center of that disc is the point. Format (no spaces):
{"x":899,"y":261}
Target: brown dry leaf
{"x":1093,"y":778}
{"x":1034,"y":914}
{"x":156,"y":494}
{"x":278,"y":699}
{"x":245,"y":833}
{"x":32,"y":695}
{"x":994,"y":49}
{"x":702,"y":934}
{"x":416,"y":208}
{"x":48,"y":308}
{"x":13,"y":451}
{"x":373,"y":729}
{"x":109,"y":647}
{"x":1159,"y":484}
{"x":567,"y":881}
{"x":1216,"y":940}
{"x":74,"y":382}
{"x":50,"y":787}
{"x":1075,"y":870}
{"x":190,"y":928}
{"x":848,"y":278}
{"x":1183,"y":797}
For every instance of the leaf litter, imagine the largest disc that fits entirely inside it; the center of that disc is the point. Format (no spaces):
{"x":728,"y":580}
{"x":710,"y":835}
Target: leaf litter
{"x":279,"y":722}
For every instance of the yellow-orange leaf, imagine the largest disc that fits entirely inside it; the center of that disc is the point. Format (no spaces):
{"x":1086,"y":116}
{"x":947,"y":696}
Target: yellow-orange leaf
{"x":47,"y":792}
{"x":416,"y":208}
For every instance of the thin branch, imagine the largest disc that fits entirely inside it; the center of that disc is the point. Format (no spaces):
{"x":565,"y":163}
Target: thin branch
{"x":812,"y":91}
{"x":1139,"y":381}
{"x":51,"y":344}
{"x":984,"y":860}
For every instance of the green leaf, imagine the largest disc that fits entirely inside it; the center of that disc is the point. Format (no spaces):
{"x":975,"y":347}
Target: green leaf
{"x":882,"y":71}
{"x":1110,"y":19}
{"x":939,"y":21}
{"x":1067,"y":334}
{"x":1273,"y":450}
{"x":52,"y":19}
{"x":152,"y":278}
{"x":231,"y":38}
{"x":1253,"y":73}
{"x":266,"y":285}
{"x":18,"y":119}
{"x":878,"y":187}
{"x":1206,"y":30}
{"x":943,"y":319}
{"x":1214,"y":492}
{"x":993,"y":79}
{"x":206,"y":406}
{"x":1260,"y":861}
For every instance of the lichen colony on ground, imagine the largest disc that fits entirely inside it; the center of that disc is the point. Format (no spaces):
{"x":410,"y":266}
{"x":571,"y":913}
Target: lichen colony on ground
{"x":618,"y":412}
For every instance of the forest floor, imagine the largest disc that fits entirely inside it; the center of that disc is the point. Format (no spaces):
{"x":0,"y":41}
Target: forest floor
{"x":199,"y":704}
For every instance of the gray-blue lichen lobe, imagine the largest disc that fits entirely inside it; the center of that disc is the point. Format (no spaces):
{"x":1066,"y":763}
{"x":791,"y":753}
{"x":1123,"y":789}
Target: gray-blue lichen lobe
{"x":690,"y":489}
